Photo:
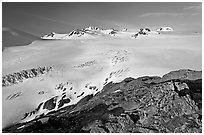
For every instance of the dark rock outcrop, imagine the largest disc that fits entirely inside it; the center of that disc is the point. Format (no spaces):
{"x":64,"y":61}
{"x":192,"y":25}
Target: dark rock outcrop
{"x":77,"y":32}
{"x":169,"y":104}
{"x":18,"y":77}
{"x":50,"y":104}
{"x":183,"y":74}
{"x":142,"y":31}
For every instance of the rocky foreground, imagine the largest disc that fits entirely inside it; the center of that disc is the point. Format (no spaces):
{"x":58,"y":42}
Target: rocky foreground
{"x":172,"y":103}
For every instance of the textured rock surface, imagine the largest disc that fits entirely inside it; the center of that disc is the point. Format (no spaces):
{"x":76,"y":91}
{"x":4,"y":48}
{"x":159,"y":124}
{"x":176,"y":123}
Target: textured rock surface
{"x":169,"y":104}
{"x":18,"y":77}
{"x":185,"y":74}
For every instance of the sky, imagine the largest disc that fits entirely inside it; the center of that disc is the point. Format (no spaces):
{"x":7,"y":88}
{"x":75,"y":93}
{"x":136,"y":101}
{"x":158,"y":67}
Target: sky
{"x":40,"y":18}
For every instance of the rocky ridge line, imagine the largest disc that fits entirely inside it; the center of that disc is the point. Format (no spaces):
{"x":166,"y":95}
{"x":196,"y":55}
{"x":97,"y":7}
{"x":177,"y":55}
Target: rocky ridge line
{"x":17,"y":77}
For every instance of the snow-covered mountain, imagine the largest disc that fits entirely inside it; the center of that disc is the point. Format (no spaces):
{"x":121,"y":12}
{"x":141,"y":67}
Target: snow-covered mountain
{"x":93,"y":32}
{"x":89,"y":32}
{"x":144,"y":32}
{"x":92,"y":28}
{"x":46,"y":76}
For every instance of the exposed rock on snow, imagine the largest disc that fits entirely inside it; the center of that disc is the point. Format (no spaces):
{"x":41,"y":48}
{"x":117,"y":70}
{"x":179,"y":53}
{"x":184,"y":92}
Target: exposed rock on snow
{"x":113,"y":33}
{"x":134,"y":105}
{"x":125,"y":29}
{"x":116,"y":74}
{"x":144,"y":32}
{"x":13,"y":96}
{"x":107,"y":31}
{"x":18,"y":77}
{"x":165,"y":29}
{"x":92,"y":28}
{"x":135,"y":35}
{"x":54,"y":35}
{"x":86,"y":64}
{"x":77,"y":33}
{"x":117,"y":56}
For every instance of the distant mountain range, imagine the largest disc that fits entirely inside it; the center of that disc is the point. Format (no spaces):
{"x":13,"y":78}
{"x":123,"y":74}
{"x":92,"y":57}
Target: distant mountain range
{"x":92,"y":32}
{"x":14,"y":37}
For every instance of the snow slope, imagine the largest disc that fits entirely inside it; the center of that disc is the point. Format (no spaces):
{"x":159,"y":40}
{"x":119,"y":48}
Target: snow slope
{"x":82,"y":67}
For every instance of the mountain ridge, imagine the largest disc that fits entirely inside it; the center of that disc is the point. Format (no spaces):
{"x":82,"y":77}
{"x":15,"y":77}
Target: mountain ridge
{"x":90,"y":31}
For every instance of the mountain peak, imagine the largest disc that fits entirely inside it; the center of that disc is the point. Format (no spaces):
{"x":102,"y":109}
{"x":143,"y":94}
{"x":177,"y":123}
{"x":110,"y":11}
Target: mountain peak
{"x":92,"y":28}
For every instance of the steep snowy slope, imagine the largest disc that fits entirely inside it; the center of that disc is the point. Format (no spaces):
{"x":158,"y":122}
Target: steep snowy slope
{"x":48,"y":75}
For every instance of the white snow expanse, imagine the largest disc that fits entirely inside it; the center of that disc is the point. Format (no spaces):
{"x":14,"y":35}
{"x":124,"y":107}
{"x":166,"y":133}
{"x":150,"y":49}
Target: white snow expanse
{"x":84,"y":65}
